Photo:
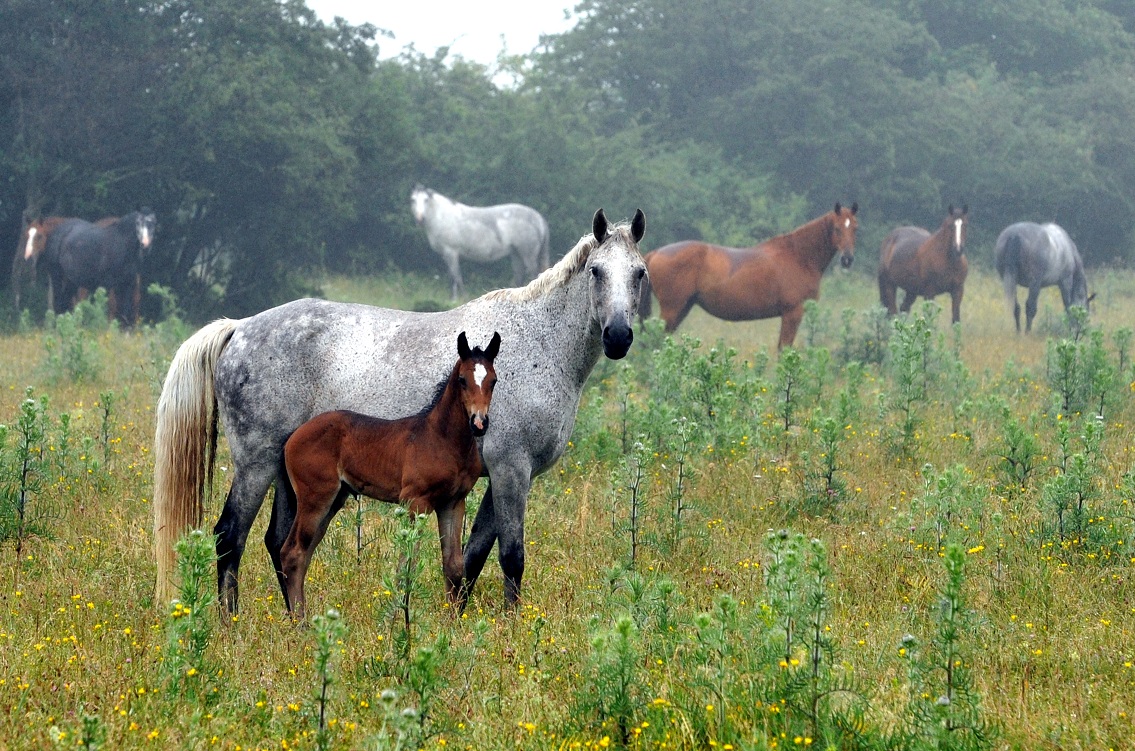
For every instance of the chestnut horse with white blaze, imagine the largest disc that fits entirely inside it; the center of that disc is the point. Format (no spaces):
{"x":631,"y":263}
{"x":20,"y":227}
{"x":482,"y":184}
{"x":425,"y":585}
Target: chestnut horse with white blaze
{"x":745,"y":284}
{"x":429,"y":462}
{"x":925,"y":264}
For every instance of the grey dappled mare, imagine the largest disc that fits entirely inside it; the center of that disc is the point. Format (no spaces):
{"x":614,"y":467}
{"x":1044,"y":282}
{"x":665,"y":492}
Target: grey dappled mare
{"x":276,"y":370}
{"x":1039,"y":255}
{"x":489,"y":233}
{"x":81,"y":255}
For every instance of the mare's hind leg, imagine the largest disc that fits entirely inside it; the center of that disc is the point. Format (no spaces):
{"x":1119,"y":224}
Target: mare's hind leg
{"x":520,"y":270}
{"x":1030,"y":308}
{"x":908,"y":299}
{"x":887,"y":296}
{"x":243,"y":502}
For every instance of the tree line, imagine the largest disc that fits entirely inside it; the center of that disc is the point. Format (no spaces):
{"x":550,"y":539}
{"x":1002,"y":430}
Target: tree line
{"x":271,"y":144}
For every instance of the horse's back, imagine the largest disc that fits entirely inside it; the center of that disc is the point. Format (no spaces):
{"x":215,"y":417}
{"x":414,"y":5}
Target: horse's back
{"x":900,"y":245}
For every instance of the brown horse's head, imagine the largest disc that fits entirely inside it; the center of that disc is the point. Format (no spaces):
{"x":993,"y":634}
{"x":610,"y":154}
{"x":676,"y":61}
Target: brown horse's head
{"x":843,"y":228}
{"x":33,"y":240}
{"x":955,"y":223}
{"x":476,"y":378}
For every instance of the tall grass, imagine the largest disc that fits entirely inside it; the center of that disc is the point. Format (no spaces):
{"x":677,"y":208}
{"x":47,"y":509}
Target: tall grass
{"x":1012,"y":554}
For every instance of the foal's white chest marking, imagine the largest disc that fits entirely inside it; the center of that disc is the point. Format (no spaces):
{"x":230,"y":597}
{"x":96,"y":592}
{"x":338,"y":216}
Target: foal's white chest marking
{"x":479,"y":373}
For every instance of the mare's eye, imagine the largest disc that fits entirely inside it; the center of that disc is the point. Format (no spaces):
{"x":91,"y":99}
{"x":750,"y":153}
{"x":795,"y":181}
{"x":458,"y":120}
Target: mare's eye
{"x":640,"y":273}
{"x":595,"y":272}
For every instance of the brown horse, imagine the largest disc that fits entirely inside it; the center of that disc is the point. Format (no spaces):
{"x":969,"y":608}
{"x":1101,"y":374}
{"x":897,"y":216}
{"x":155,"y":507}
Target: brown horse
{"x":33,"y":242}
{"x":745,"y":284}
{"x":925,"y":264}
{"x":428,"y":461}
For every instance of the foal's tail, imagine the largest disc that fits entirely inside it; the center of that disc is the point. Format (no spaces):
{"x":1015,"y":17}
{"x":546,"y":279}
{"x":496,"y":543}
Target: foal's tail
{"x":185,"y":445}
{"x":645,"y":306}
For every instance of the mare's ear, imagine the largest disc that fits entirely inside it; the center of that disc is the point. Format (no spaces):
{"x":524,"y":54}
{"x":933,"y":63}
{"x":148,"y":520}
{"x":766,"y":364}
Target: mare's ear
{"x":854,"y":208}
{"x":494,"y":346}
{"x":463,"y":350}
{"x":599,"y":226}
{"x":965,"y":209}
{"x":838,"y":208}
{"x":638,"y":225}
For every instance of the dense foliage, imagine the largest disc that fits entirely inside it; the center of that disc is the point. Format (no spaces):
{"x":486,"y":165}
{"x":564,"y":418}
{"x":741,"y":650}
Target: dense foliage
{"x":271,"y":143}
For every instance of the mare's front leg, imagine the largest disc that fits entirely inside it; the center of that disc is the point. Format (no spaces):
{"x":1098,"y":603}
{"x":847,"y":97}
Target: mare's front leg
{"x":789,"y":324}
{"x":956,"y":303}
{"x":480,"y":542}
{"x":908,"y":299}
{"x":511,"y":483}
{"x":453,"y":264}
{"x":243,"y":502}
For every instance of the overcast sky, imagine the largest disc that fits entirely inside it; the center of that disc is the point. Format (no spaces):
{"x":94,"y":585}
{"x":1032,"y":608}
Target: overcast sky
{"x":472,"y":28}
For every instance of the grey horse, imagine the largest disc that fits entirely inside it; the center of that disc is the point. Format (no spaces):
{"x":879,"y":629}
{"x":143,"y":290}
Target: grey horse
{"x":483,"y":234}
{"x":266,"y":375}
{"x":1035,"y":256}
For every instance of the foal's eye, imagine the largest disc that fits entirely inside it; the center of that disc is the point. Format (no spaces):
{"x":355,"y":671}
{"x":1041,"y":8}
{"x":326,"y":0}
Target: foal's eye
{"x":461,"y":380}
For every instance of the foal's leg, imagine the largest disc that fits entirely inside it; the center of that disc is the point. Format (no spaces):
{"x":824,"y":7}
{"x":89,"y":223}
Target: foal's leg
{"x":450,"y":519}
{"x":317,"y":503}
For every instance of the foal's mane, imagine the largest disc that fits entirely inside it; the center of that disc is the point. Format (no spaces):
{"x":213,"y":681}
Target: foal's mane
{"x":560,"y":273}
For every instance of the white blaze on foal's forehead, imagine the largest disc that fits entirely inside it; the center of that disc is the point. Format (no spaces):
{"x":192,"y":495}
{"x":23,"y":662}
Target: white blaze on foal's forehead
{"x":479,"y":373}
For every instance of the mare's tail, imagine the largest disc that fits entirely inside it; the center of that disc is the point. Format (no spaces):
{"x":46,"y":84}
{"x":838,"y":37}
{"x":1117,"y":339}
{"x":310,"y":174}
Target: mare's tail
{"x":185,"y":445}
{"x":645,"y":306}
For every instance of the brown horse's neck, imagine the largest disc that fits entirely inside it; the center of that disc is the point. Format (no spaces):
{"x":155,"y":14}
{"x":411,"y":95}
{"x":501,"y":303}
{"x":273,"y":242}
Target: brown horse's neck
{"x":812,"y":242}
{"x":447,"y":416}
{"x":941,"y":242}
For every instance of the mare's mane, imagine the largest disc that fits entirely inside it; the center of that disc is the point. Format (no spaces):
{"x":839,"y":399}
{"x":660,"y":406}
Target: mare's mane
{"x":802,"y":229}
{"x":559,"y":274}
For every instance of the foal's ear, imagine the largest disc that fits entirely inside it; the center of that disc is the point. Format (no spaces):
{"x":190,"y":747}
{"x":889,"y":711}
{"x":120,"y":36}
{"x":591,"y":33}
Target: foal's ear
{"x":599,"y":226}
{"x":494,"y":346}
{"x":463,"y":350}
{"x":638,"y":225}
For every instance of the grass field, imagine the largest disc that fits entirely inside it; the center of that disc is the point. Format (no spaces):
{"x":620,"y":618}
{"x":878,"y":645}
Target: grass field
{"x":965,"y":558}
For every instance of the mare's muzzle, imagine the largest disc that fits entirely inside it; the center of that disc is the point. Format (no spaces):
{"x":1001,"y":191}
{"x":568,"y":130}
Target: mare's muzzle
{"x":845,"y":258}
{"x":617,"y":338}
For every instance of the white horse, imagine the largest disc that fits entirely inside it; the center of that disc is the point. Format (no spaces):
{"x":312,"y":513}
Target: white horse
{"x":483,"y":234}
{"x":266,"y":375}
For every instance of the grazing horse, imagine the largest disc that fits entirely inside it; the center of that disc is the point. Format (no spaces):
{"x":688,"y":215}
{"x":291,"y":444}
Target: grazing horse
{"x":484,"y":234}
{"x":81,"y":255}
{"x":745,"y":284}
{"x":925,"y":264}
{"x":266,"y":375}
{"x":1039,"y":255}
{"x":428,"y":461}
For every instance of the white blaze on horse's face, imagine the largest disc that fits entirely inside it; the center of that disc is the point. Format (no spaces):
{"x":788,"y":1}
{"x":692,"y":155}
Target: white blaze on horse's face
{"x":30,"y":248}
{"x":958,"y":233}
{"x":479,"y":373}
{"x":418,"y":200}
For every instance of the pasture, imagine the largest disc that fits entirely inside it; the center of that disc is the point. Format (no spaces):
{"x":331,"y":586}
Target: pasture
{"x":737,"y":551}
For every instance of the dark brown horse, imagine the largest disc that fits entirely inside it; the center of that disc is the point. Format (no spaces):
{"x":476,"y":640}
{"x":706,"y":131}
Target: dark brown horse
{"x":745,"y":284}
{"x":428,"y":461}
{"x":33,"y":241}
{"x":925,"y":264}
